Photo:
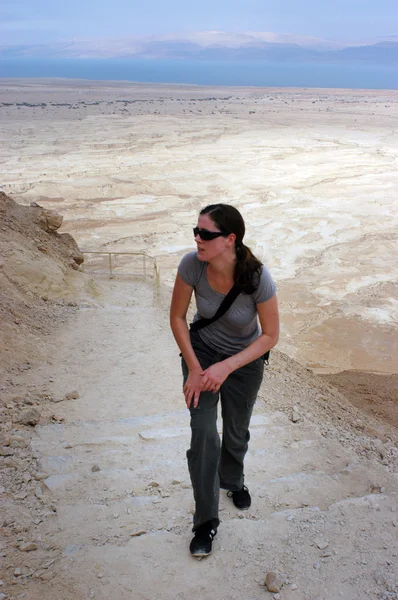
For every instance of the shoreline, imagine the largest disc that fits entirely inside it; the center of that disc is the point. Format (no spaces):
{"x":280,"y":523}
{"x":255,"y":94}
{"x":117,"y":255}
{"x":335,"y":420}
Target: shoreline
{"x":123,"y":82}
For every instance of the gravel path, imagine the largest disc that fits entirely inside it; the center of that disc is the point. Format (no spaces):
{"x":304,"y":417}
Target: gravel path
{"x":116,"y":505}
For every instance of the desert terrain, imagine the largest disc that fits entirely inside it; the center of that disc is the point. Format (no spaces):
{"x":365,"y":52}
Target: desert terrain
{"x":313,"y":171}
{"x":94,"y":494}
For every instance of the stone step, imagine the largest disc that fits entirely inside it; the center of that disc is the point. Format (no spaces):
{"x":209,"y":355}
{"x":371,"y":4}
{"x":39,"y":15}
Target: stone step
{"x":271,"y":490}
{"x":125,"y":431}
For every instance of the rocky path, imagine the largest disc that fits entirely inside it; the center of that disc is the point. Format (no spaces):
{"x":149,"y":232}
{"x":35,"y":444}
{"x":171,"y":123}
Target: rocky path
{"x":324,"y":513}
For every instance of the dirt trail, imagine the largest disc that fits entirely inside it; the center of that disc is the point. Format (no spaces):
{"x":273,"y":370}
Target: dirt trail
{"x":324,"y":512}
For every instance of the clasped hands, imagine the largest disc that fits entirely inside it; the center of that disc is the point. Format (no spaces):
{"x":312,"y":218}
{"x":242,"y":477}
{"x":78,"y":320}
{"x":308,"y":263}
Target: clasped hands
{"x":209,"y":380}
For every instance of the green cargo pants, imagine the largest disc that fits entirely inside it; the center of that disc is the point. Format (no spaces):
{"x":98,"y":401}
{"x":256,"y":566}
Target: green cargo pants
{"x":213,"y":465}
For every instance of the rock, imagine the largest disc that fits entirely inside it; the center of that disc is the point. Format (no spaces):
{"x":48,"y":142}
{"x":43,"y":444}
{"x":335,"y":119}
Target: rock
{"x":17,"y":572}
{"x":380,"y":578}
{"x":272,"y":582}
{"x":72,"y":249}
{"x":44,"y":575}
{"x":72,"y":395}
{"x":376,"y":489}
{"x":6,"y":451}
{"x":373,"y":432}
{"x":39,"y":493}
{"x":53,"y":220}
{"x":40,"y":476}
{"x":29,"y":417}
{"x":295,"y":414}
{"x":346,"y":470}
{"x":28,"y":547}
{"x":3,"y":596}
{"x":138,"y":533}
{"x":10,"y":462}
{"x":321,"y":544}
{"x":95,"y":468}
{"x":57,"y":418}
{"x":20,"y":496}
{"x":293,"y":586}
{"x":18,"y":439}
{"x":379,"y":446}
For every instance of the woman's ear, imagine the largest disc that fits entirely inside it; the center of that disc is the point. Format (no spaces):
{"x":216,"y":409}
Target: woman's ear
{"x":232,"y":238}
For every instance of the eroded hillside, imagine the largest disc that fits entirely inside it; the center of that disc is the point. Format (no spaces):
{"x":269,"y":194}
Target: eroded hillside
{"x":37,"y":279}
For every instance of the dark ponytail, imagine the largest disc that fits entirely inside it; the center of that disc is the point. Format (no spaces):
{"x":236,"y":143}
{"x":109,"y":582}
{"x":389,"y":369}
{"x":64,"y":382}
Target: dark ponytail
{"x":248,"y":268}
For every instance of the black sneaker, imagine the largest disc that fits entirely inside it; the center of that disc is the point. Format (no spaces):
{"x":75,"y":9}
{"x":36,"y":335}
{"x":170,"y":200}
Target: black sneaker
{"x":202,"y":542}
{"x":241,"y":498}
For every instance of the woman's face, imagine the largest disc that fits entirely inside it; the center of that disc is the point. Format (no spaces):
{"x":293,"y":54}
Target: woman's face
{"x":209,"y":250}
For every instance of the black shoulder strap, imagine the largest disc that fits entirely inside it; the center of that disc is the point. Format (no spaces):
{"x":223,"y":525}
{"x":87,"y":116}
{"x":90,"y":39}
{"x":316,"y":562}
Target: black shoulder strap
{"x":224,"y":306}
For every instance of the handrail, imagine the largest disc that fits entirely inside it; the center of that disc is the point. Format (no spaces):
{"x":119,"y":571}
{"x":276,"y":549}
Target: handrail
{"x":143,"y":254}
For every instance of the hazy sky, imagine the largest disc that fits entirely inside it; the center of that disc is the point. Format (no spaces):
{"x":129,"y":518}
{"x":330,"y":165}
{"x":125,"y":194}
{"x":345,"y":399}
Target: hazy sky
{"x":28,"y":21}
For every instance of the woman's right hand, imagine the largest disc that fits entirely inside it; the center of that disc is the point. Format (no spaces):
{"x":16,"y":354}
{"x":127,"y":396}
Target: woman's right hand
{"x":192,"y":387}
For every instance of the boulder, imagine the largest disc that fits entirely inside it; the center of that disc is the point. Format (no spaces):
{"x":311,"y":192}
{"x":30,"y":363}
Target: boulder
{"x":49,"y":220}
{"x":71,"y":248}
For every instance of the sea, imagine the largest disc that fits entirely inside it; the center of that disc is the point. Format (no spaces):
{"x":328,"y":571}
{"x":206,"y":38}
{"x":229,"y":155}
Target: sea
{"x":214,"y":73}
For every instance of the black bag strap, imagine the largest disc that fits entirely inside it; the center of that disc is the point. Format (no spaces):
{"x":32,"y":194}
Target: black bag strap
{"x":222,"y":309}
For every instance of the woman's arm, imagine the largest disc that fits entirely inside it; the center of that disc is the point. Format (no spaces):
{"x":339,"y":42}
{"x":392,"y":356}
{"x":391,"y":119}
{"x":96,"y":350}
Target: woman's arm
{"x":182,"y":294}
{"x":269,"y":321}
{"x":268,"y":313}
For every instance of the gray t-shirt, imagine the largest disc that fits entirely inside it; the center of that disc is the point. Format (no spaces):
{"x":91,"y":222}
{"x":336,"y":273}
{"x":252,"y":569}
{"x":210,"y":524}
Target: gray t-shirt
{"x":239,"y":326}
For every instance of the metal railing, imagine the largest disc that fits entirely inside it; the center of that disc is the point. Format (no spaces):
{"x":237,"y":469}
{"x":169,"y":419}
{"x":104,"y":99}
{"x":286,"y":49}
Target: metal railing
{"x":144,"y":261}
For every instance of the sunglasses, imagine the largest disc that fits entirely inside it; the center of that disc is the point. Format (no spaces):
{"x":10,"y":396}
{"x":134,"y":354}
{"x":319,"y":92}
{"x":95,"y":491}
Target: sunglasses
{"x":206,"y":235}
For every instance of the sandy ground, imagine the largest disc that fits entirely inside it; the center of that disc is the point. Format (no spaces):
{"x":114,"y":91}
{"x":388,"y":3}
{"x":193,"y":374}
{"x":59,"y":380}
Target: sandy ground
{"x":106,"y":505}
{"x":314,"y":172}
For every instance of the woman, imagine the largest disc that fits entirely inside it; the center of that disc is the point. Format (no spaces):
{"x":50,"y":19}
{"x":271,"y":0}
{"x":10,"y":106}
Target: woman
{"x":222,"y":360}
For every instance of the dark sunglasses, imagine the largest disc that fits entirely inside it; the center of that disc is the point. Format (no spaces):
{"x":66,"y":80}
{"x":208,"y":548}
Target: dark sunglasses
{"x":206,"y":235}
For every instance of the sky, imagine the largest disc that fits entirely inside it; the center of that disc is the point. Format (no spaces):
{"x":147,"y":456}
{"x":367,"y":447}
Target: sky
{"x":42,"y":21}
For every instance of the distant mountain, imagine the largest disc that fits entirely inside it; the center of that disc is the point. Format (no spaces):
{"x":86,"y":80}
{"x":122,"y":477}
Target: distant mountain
{"x":383,"y":53}
{"x":260,"y":51}
{"x":209,"y":46}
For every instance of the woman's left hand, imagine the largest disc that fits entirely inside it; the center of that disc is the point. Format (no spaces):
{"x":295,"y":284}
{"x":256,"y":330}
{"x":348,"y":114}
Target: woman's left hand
{"x":214,"y":377}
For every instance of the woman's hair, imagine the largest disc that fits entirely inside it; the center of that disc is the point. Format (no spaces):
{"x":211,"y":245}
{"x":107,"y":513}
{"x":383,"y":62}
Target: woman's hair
{"x":229,"y":220}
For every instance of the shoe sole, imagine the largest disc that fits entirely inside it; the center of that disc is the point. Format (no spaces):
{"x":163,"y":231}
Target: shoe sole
{"x":200,"y":555}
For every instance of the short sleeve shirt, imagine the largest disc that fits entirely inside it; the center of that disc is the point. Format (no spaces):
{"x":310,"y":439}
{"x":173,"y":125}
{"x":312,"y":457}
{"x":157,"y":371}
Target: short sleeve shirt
{"x":239,"y":326}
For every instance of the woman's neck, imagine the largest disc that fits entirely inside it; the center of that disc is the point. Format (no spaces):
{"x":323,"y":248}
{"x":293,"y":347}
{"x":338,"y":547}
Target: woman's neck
{"x":223,"y":266}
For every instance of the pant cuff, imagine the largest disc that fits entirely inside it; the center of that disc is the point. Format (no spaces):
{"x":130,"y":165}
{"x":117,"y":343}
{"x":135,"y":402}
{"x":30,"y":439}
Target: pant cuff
{"x":231,"y":487}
